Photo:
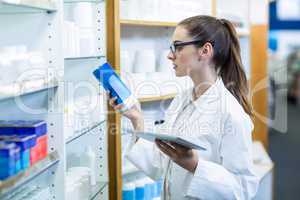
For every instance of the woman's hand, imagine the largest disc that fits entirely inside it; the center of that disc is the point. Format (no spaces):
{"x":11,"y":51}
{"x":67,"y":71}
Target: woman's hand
{"x":185,"y":157}
{"x":134,"y":114}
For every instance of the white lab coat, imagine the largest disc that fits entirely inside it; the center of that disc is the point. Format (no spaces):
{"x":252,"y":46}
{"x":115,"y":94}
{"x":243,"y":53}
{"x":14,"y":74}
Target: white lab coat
{"x":225,"y":169}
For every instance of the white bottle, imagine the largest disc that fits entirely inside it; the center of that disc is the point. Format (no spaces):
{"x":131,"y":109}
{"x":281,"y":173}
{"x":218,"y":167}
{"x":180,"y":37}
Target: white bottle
{"x":89,"y":160}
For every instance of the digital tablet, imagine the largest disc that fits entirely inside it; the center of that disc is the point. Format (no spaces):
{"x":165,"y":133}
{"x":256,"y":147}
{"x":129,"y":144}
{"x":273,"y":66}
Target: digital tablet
{"x":167,"y":138}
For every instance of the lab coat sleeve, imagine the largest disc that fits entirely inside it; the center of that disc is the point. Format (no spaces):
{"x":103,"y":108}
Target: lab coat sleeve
{"x":233,"y":178}
{"x":147,"y":157}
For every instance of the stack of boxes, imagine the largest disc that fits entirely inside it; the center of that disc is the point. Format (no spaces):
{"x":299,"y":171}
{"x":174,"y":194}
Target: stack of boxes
{"x":22,"y":144}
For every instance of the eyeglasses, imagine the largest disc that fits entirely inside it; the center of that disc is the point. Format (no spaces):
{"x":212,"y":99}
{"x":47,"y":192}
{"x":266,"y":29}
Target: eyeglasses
{"x":176,"y":45}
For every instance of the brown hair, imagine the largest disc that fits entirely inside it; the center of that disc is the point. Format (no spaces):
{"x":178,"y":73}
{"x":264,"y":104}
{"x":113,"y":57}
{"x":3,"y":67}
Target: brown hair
{"x":227,"y":57}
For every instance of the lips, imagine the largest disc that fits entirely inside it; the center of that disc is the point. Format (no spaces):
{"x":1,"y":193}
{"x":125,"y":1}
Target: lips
{"x":174,"y":66}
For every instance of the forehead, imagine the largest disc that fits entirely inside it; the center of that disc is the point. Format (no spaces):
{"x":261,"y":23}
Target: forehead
{"x":180,"y":34}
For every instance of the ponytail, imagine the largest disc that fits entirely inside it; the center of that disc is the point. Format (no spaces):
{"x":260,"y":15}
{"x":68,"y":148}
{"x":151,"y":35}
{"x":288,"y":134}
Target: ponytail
{"x":227,"y":57}
{"x":232,"y":72}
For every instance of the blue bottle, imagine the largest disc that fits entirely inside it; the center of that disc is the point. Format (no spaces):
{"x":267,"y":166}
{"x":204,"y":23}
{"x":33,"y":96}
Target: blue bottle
{"x":128,"y":192}
{"x":114,"y":85}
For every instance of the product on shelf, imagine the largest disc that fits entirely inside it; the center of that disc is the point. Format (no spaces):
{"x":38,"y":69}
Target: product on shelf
{"x":127,"y":58}
{"x":86,"y":20}
{"x":155,"y":10}
{"x":16,"y":64}
{"x":10,"y":161}
{"x":128,"y":192}
{"x":25,"y":142}
{"x":142,"y":189}
{"x":145,"y":61}
{"x":165,"y":65}
{"x":89,"y":160}
{"x":29,"y":128}
{"x":78,"y":183}
{"x":79,"y":31}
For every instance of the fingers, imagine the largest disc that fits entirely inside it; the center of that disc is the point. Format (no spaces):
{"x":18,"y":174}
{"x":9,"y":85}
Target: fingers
{"x":167,"y":149}
{"x":112,"y":102}
{"x":180,"y":147}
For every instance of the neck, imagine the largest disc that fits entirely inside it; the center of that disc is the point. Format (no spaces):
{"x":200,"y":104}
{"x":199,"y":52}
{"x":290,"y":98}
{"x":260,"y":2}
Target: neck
{"x":203,"y":82}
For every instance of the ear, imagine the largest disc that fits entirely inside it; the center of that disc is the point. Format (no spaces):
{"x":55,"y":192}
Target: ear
{"x":206,"y":51}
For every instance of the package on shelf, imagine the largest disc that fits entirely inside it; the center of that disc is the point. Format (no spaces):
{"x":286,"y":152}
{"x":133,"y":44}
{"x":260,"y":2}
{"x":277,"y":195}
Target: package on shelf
{"x":19,"y":64}
{"x":124,"y":9}
{"x":87,"y":42}
{"x":78,"y":185}
{"x":78,"y":41}
{"x":130,"y":9}
{"x":79,"y":31}
{"x":10,"y":159}
{"x":142,"y":189}
{"x":88,"y":159}
{"x":148,"y":10}
{"x":128,"y":192}
{"x":127,"y":58}
{"x":179,"y":10}
{"x":145,"y":61}
{"x":164,"y":64}
{"x":155,"y":10}
{"x":86,"y":20}
{"x":25,"y":142}
{"x":144,"y":86}
{"x":30,"y":127}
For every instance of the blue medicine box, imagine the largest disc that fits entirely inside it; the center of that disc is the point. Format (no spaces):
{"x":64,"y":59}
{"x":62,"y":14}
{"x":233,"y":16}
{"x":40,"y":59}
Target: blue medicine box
{"x":9,"y":160}
{"x":112,"y":82}
{"x":22,"y":127}
{"x":25,"y":142}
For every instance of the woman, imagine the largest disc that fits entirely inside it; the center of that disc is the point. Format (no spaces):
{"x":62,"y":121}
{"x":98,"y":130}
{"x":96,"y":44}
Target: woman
{"x":215,"y":111}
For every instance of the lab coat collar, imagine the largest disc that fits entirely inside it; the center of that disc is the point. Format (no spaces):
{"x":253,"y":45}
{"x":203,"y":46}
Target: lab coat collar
{"x":208,"y":104}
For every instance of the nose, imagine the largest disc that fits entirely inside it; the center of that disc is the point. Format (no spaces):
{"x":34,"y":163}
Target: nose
{"x":171,"y":56}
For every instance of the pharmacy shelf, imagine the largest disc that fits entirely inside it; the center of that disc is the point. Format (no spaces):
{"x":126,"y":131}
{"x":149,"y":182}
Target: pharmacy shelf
{"x":95,"y":190}
{"x":147,"y":23}
{"x":241,"y":32}
{"x":12,"y":183}
{"x":25,"y":88}
{"x":84,"y":58}
{"x":79,"y":134}
{"x":26,"y":6}
{"x":156,"y":98}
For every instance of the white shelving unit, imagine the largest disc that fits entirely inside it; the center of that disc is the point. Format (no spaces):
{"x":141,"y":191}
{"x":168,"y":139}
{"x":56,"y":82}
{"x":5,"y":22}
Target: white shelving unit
{"x":39,"y":25}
